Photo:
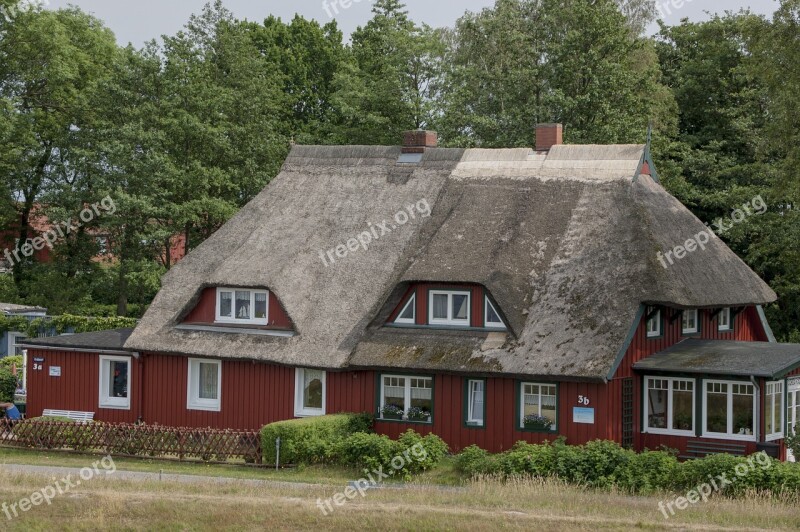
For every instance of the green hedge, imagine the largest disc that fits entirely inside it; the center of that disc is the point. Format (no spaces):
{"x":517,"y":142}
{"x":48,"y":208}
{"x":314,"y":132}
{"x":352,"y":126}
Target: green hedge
{"x":604,"y":464}
{"x":311,"y":440}
{"x":348,"y":440}
{"x":8,"y":385}
{"x":408,"y":455}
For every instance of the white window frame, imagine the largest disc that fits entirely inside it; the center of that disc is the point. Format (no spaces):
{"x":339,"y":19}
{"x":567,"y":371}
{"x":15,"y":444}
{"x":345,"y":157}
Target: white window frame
{"x":521,"y":406}
{"x":778,"y":413}
{"x":491,"y":324}
{"x":657,"y":319}
{"x":670,"y":390}
{"x":471,"y":420}
{"x":13,"y":338}
{"x":218,"y":318}
{"x":728,"y":435}
{"x":729,"y":325}
{"x":413,"y":302}
{"x":407,"y":394}
{"x":299,"y":409}
{"x":690,"y":330}
{"x":105,"y":400}
{"x":450,"y":320}
{"x":193,"y":401}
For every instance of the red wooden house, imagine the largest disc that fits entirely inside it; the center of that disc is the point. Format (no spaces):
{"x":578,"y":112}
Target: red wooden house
{"x":488,"y":296}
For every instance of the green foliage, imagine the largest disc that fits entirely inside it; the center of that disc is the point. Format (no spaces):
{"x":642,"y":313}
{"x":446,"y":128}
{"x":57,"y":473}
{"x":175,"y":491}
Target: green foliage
{"x":347,"y":440}
{"x":410,"y":454}
{"x":9,"y":361}
{"x":8,"y":385}
{"x":310,"y":440}
{"x":604,"y":464}
{"x":62,"y":324}
{"x":793,"y":442}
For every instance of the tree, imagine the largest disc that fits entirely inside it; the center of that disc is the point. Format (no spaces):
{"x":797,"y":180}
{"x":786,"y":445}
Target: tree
{"x":51,"y":62}
{"x":524,"y":62}
{"x":385,"y":87}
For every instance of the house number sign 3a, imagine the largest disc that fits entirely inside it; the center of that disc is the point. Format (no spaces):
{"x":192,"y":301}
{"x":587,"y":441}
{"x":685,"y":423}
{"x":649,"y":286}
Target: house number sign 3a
{"x":583,"y":400}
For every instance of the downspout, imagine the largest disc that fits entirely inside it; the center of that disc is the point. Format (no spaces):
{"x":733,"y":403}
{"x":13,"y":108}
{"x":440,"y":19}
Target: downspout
{"x":140,"y":385}
{"x":756,"y":413}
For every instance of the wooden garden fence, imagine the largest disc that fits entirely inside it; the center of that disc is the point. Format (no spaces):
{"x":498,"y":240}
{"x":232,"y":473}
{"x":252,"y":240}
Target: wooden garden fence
{"x":144,"y":441}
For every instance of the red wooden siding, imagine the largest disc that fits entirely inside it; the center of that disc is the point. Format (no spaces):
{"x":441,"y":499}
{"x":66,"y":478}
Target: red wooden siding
{"x":205,"y":311}
{"x":78,"y":387}
{"x":501,"y":432}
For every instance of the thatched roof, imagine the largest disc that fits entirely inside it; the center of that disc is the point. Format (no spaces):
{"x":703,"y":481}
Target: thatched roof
{"x":566,"y":243}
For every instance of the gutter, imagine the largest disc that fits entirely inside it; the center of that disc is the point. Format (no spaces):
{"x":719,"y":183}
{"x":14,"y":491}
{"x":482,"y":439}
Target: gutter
{"x":87,"y":350}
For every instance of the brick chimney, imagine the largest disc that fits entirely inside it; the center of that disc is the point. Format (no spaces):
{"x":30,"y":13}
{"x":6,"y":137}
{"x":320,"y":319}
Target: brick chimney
{"x":417,"y":141}
{"x":549,"y":135}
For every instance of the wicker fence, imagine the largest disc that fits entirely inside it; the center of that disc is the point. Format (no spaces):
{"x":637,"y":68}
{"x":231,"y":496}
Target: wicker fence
{"x":145,"y":441}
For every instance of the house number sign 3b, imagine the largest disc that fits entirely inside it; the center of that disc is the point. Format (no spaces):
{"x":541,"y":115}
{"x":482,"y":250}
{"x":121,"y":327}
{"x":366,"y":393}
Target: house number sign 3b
{"x":583,"y":400}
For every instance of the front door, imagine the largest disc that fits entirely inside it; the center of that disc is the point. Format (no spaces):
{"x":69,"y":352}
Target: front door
{"x":793,"y":413}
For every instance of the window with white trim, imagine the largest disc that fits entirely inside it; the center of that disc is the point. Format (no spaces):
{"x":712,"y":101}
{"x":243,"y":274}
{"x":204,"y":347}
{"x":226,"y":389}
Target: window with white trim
{"x":773,"y":411}
{"x":669,"y":406}
{"x":729,"y":410}
{"x":492,"y":317}
{"x":538,"y":406}
{"x":689,"y":322}
{"x":476,"y":394}
{"x":309,"y":398}
{"x":409,"y":313}
{"x":115,"y":378}
{"x":406,"y":397}
{"x":449,"y":307}
{"x":14,"y":339}
{"x":205,"y":385}
{"x":654,"y":325}
{"x":724,"y":320}
{"x":241,"y":306}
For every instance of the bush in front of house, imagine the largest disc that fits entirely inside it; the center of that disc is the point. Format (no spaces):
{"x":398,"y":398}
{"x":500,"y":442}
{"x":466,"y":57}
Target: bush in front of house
{"x":311,"y":440}
{"x":410,"y":454}
{"x":604,"y":464}
{"x":8,"y":385}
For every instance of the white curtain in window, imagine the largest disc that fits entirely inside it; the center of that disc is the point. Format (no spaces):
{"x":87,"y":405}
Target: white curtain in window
{"x":209,"y":381}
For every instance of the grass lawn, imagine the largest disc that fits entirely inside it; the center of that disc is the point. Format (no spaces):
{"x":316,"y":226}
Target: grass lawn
{"x":117,"y":504}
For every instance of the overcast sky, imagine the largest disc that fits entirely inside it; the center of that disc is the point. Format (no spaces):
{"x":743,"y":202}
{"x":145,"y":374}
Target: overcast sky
{"x":141,"y":20}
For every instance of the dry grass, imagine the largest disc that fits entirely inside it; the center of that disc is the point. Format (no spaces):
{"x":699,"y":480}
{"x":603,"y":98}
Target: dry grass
{"x":482,"y":505}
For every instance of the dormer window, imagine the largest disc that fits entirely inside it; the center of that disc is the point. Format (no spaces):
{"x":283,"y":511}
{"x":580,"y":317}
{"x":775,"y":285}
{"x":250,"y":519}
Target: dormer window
{"x":654,"y":324}
{"x":409,"y":313}
{"x":724,"y":320}
{"x":449,"y":307}
{"x":245,"y":307}
{"x":492,"y":317}
{"x":689,"y":322}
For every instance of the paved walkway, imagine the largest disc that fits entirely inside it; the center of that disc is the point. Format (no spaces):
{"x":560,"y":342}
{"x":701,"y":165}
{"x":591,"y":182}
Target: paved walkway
{"x":62,"y":472}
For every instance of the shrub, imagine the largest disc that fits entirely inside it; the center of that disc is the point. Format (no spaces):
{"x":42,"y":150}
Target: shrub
{"x":8,"y":385}
{"x":406,"y":456}
{"x":13,"y":360}
{"x":311,"y":440}
{"x":648,"y":472}
{"x":605,"y":464}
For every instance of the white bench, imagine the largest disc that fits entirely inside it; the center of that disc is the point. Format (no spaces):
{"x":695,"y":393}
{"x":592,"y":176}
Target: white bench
{"x":81,"y":417}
